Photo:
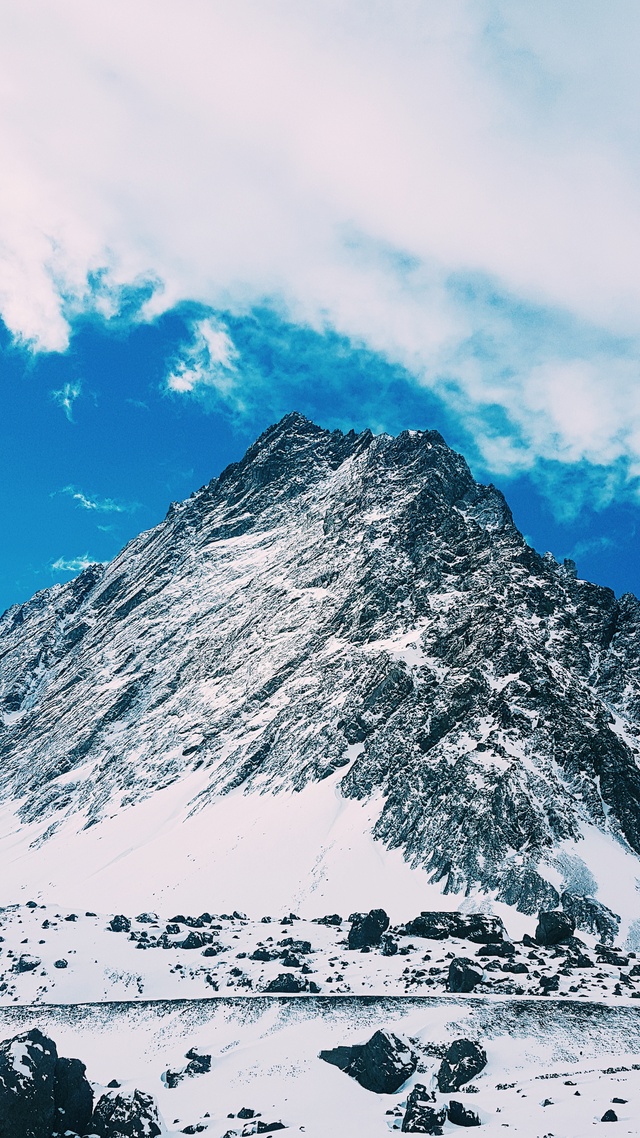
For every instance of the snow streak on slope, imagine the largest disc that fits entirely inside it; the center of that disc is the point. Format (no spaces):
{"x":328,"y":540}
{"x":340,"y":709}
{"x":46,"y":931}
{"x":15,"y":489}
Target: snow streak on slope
{"x":333,"y":611}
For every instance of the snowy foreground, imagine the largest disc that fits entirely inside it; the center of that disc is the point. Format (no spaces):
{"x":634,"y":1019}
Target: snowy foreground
{"x":53,"y":955}
{"x":553,"y":1069}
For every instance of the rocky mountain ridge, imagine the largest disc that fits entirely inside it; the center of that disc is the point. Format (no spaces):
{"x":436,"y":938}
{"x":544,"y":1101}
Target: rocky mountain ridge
{"x":348,"y":606}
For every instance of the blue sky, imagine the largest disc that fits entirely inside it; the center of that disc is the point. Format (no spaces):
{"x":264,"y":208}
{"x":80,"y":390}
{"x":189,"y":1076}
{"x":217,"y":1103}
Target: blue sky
{"x":95,"y":444}
{"x":385,"y":213}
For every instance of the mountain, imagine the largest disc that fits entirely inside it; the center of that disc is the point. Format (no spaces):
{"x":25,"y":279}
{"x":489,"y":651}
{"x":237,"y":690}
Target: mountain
{"x":338,"y":618}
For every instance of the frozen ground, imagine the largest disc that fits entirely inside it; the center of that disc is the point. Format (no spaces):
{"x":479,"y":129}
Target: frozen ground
{"x":553,"y":1068}
{"x":54,"y":955}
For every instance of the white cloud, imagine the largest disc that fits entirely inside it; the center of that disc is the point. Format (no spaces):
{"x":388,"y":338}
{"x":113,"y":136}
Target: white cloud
{"x":101,"y":505}
{"x":231,"y":150}
{"x":66,"y":398}
{"x":72,"y":564}
{"x":209,"y":361}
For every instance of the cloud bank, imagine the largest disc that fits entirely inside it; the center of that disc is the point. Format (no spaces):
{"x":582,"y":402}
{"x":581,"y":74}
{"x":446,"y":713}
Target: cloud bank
{"x":454,"y":184}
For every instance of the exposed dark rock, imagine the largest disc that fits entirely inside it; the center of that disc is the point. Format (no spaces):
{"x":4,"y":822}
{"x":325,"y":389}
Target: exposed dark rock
{"x":73,"y":1097}
{"x":367,"y":928}
{"x":332,"y":919}
{"x":421,"y":1117}
{"x":123,"y":1114}
{"x":609,"y":1116}
{"x":462,"y":1061}
{"x":388,"y":945}
{"x":286,"y":983}
{"x":62,"y":963}
{"x":120,"y":924}
{"x":464,"y":975}
{"x":382,"y":1064}
{"x":553,"y":927}
{"x":460,"y":1115}
{"x":27,"y":962}
{"x":27,"y":1085}
{"x":476,"y":927}
{"x":504,"y":948}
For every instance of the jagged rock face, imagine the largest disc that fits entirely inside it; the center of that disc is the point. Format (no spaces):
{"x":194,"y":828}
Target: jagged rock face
{"x":339,"y":601}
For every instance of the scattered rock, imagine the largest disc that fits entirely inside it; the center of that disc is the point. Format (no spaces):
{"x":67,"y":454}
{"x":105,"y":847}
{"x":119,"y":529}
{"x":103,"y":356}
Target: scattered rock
{"x":27,"y":1085}
{"x":62,"y":963}
{"x":120,"y":924}
{"x":476,"y":927}
{"x":553,"y":927}
{"x":332,"y":919}
{"x":286,"y":983}
{"x":464,"y":975}
{"x":461,"y":1116}
{"x":131,"y":1114}
{"x":382,"y":1064}
{"x":367,"y":928}
{"x":609,"y":1116}
{"x":503,"y":948}
{"x":420,"y":1116}
{"x":27,"y":962}
{"x":462,"y":1060}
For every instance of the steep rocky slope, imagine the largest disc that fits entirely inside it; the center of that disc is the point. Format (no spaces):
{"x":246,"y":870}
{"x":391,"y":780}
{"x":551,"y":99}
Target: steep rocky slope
{"x":350,"y":606}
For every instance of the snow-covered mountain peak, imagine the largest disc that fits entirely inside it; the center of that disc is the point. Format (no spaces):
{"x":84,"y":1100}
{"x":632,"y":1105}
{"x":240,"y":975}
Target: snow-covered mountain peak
{"x":346,"y":611}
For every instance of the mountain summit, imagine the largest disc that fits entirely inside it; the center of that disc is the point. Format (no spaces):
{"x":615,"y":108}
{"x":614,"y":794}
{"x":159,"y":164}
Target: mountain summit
{"x":343,"y":607}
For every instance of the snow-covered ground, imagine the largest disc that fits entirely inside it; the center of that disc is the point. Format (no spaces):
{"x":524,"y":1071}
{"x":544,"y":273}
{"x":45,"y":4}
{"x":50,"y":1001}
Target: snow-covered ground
{"x":552,"y":1069}
{"x":54,"y":955}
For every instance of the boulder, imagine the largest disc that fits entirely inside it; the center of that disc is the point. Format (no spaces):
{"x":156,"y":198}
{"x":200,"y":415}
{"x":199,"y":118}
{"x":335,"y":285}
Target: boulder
{"x":464,"y":975}
{"x":286,"y":983}
{"x":502,"y":948}
{"x":120,"y":924}
{"x":27,"y":963}
{"x":609,"y":1116}
{"x":123,"y":1114}
{"x":367,"y":928}
{"x":73,"y":1097}
{"x":476,"y":927}
{"x":553,"y":927}
{"x":381,"y":1065}
{"x":461,"y":1116}
{"x":27,"y":1085}
{"x":421,"y":1116}
{"x":462,"y":1061}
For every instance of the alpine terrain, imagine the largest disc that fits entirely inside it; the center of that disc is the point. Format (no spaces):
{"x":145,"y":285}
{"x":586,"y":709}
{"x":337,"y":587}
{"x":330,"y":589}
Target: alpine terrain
{"x":386,"y":754}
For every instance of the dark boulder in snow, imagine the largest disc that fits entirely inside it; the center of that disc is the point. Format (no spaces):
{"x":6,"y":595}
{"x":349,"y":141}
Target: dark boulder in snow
{"x":502,"y":948}
{"x":463,"y":1059}
{"x":421,"y":1117}
{"x":476,"y":927}
{"x":119,"y":924}
{"x":27,"y":1084}
{"x":464,"y":975}
{"x":461,"y":1116}
{"x":126,"y":1115}
{"x":553,"y":927}
{"x":609,"y":1116}
{"x":382,"y":1064}
{"x":286,"y":983}
{"x":367,"y":928}
{"x":73,"y":1097}
{"x":27,"y":963}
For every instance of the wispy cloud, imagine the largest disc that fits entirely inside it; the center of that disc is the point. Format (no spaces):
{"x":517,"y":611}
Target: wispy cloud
{"x":72,"y":564}
{"x":66,"y":398}
{"x":208,"y":361}
{"x":100,"y":505}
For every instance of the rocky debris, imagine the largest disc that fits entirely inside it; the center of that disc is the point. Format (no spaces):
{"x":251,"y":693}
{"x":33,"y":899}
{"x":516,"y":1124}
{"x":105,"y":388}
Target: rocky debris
{"x":382,"y":1064}
{"x":331,"y":919}
{"x":40,"y":1093}
{"x":460,"y":1115}
{"x":464,"y":975}
{"x":613,"y":956}
{"x":609,"y":1116}
{"x":126,"y":1114}
{"x":503,"y":948}
{"x":367,"y":928}
{"x":554,"y":927}
{"x":62,"y":963}
{"x":463,"y":1060}
{"x":421,"y":1117}
{"x":120,"y":924}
